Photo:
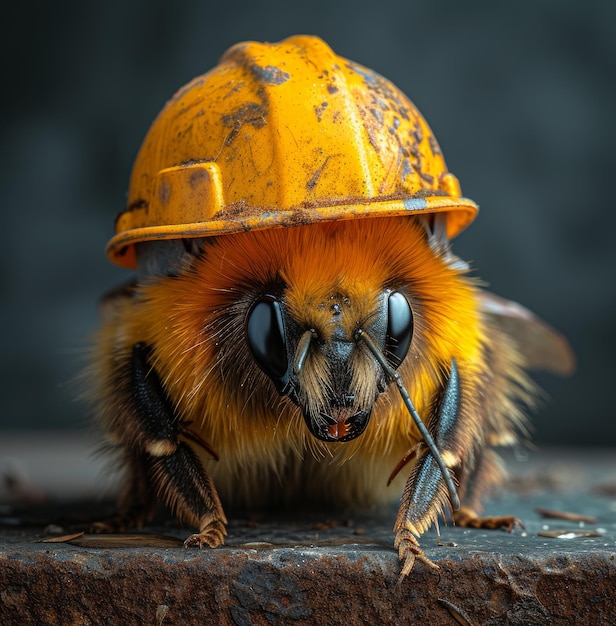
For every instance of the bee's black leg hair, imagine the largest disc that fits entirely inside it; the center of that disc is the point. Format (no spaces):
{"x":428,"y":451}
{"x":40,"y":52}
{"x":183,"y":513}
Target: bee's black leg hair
{"x":425,"y":490}
{"x":157,"y":455}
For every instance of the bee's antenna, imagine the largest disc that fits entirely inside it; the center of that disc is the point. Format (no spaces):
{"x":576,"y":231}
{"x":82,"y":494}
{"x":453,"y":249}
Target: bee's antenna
{"x":395,"y":377}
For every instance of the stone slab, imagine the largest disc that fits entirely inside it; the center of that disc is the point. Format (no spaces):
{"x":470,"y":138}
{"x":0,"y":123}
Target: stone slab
{"x":327,"y":569}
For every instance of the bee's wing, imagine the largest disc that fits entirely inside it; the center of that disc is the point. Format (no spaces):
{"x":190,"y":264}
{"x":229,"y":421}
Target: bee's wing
{"x":543,"y":347}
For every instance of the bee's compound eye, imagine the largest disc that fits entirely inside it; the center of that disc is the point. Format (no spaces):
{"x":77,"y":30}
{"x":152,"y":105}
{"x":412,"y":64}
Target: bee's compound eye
{"x":266,"y":338}
{"x":399,"y":328}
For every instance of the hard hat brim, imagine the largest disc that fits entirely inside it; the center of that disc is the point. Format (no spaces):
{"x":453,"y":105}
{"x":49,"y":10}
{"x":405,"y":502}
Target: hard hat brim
{"x":461,"y":212}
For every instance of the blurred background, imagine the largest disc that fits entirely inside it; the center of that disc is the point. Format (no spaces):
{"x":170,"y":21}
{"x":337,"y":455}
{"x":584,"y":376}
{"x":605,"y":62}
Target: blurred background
{"x":520,"y":96}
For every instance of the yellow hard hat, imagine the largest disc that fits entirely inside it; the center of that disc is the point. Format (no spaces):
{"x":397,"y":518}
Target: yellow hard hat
{"x":278,"y":135}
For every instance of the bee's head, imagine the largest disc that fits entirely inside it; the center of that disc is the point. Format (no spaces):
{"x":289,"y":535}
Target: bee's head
{"x":310,"y":348}
{"x":318,"y":313}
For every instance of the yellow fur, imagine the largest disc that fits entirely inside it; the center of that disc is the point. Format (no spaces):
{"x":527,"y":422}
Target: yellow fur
{"x":194,"y":324}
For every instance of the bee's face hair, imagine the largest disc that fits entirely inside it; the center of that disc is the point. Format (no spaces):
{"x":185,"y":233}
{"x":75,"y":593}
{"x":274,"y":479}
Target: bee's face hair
{"x":331,"y":279}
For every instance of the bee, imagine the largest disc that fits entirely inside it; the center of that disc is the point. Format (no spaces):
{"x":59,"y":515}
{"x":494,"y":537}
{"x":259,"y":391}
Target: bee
{"x":299,"y":331}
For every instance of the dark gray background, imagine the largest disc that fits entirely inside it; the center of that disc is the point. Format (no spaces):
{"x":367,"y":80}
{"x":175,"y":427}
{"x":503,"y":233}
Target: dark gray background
{"x":520,"y":96}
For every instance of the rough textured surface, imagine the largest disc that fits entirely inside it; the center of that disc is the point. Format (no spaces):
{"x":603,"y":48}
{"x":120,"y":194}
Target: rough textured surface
{"x":336,"y":570}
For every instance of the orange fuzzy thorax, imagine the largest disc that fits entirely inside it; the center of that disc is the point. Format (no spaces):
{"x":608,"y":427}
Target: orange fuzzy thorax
{"x":195,"y":324}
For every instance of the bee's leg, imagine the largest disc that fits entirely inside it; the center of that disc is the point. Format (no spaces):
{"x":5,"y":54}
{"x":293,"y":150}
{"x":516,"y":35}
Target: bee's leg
{"x":486,"y":472}
{"x":191,"y":494}
{"x":177,"y":472}
{"x":168,"y":463}
{"x":425,"y":495}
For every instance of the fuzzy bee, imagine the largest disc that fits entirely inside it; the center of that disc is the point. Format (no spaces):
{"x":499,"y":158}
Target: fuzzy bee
{"x":299,"y":331}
